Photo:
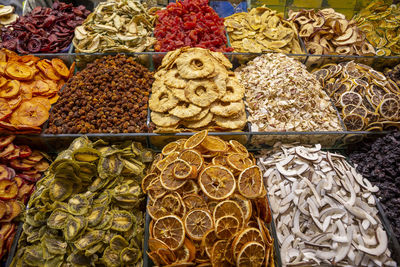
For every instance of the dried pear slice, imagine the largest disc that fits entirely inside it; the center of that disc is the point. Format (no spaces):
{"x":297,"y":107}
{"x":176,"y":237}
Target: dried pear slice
{"x":89,"y":239}
{"x":78,"y":205}
{"x":86,"y":154}
{"x":122,"y":220}
{"x":118,"y":243}
{"x":55,"y":245}
{"x":111,"y":258}
{"x":74,"y":226}
{"x":58,"y":219}
{"x":60,"y":190}
{"x":96,"y":215}
{"x":130,"y":256}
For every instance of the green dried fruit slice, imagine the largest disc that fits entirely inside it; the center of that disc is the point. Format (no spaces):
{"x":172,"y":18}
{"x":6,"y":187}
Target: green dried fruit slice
{"x":55,"y":245}
{"x":78,"y":205}
{"x":86,"y":154}
{"x":67,"y":170}
{"x":104,"y":198}
{"x":33,"y":255}
{"x":87,"y":171}
{"x":73,"y":227}
{"x":109,"y":166}
{"x":96,"y":215}
{"x":130,"y":256}
{"x":111,"y":258}
{"x":122,"y":220}
{"x":89,"y":239}
{"x":60,"y":190}
{"x":55,"y":261}
{"x":58,"y":219}
{"x":118,"y":243}
{"x":132,"y":167}
{"x":97,"y":184}
{"x":106,"y":222}
{"x":77,"y":259}
{"x":33,"y":235}
{"x":94,"y":249}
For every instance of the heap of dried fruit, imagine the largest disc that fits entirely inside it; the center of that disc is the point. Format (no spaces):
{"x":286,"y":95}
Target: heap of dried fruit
{"x":326,"y":32}
{"x":367,"y":99}
{"x":109,"y":96}
{"x":281,"y":95}
{"x":195,"y":89}
{"x":380,"y":21}
{"x":190,"y":23}
{"x":28,"y":88}
{"x":393,"y":74}
{"x":262,"y":30}
{"x":116,"y":26}
{"x":379,"y":162}
{"x":208,"y":206}
{"x":44,"y":30}
{"x":20,"y":169}
{"x":7,"y":16}
{"x":325,"y":212}
{"x":87,"y":210}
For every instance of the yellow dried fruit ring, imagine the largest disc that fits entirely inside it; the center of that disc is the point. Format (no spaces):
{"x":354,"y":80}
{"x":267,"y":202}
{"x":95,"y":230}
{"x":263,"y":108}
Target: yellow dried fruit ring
{"x":389,"y":108}
{"x":197,"y":223}
{"x":217,"y":182}
{"x":197,"y":64}
{"x":354,"y":122}
{"x":201,"y":92}
{"x":170,"y":230}
{"x":162,"y":100}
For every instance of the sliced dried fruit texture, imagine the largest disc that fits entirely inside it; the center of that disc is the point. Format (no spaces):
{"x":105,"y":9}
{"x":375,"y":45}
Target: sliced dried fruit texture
{"x":10,"y":89}
{"x":170,"y":230}
{"x":217,"y":182}
{"x":31,"y":114}
{"x":197,"y":223}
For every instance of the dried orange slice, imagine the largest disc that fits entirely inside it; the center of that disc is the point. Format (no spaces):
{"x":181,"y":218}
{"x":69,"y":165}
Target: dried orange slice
{"x":239,"y":162}
{"x":192,"y":157}
{"x":40,"y":87}
{"x":168,"y":179}
{"x":157,"y":259}
{"x":153,"y":168}
{"x":146,"y":181}
{"x":170,"y":230}
{"x":194,"y":201}
{"x":218,"y":254}
{"x":250,"y":182}
{"x":195,"y":140}
{"x":263,"y":210}
{"x":350,"y":98}
{"x":190,"y":187}
{"x":5,"y":110}
{"x":228,"y":208}
{"x":226,"y":227}
{"x":245,"y":236}
{"x":155,"y":189}
{"x":251,"y":254}
{"x":217,"y":182}
{"x":244,"y":204}
{"x":167,"y":160}
{"x":167,"y":255}
{"x":238,"y":147}
{"x":18,"y":71}
{"x":168,"y":204}
{"x":155,"y":244}
{"x":214,"y":144}
{"x":169,"y":148}
{"x":219,"y":160}
{"x":208,"y":241}
{"x":353,"y":122}
{"x":3,"y":81}
{"x":186,"y":253}
{"x":14,"y":102}
{"x":10,"y":89}
{"x":197,"y":223}
{"x":31,"y":114}
{"x":60,"y":67}
{"x":389,"y":108}
{"x":184,"y":170}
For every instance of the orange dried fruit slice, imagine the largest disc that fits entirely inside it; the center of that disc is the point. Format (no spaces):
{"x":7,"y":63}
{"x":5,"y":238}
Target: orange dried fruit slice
{"x":155,"y":189}
{"x":195,"y":140}
{"x":244,"y":204}
{"x":153,"y":168}
{"x":263,"y":210}
{"x":238,"y":147}
{"x":192,"y":157}
{"x":208,"y":241}
{"x":31,"y":114}
{"x":18,"y":71}
{"x":190,"y":187}
{"x":239,"y":162}
{"x":10,"y":89}
{"x":353,"y":122}
{"x":228,"y":208}
{"x":168,"y":179}
{"x":146,"y":181}
{"x":389,"y":108}
{"x":3,"y":81}
{"x":218,"y":254}
{"x":170,"y":230}
{"x":350,"y":98}
{"x":155,"y":244}
{"x":71,"y":70}
{"x":186,"y":253}
{"x":169,"y":148}
{"x":219,"y":160}
{"x":214,"y":144}
{"x":194,"y":201}
{"x":167,"y":255}
{"x":184,"y":170}
{"x":166,"y":205}
{"x":245,"y":236}
{"x":5,"y":110}
{"x":197,"y":223}
{"x":54,"y":99}
{"x":14,"y":102}
{"x":26,"y":90}
{"x":157,"y":259}
{"x":217,"y":182}
{"x":60,"y":67}
{"x":48,"y":70}
{"x":40,"y":87}
{"x":226,"y":227}
{"x":167,"y":160}
{"x":251,"y":254}
{"x":41,"y":101}
{"x":251,"y":183}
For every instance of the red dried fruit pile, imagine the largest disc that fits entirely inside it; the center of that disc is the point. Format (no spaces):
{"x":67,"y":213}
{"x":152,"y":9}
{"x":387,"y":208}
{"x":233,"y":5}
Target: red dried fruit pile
{"x":190,"y":23}
{"x":47,"y":30}
{"x":20,"y":169}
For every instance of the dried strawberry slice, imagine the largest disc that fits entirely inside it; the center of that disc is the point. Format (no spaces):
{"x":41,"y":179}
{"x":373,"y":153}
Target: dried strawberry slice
{"x":8,"y":189}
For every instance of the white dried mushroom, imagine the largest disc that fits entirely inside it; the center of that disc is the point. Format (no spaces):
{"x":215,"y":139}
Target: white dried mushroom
{"x":323,"y":209}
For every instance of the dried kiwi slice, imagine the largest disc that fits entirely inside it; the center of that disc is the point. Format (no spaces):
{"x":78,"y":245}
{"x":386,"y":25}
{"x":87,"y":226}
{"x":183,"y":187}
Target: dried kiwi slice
{"x":54,"y":245}
{"x":94,"y":249}
{"x":74,"y":226}
{"x":96,"y":215}
{"x":105,"y":223}
{"x":78,"y":259}
{"x":58,"y":219}
{"x":33,"y":255}
{"x":97,"y":184}
{"x":104,"y":198}
{"x":109,"y":166}
{"x":130,"y":256}
{"x":54,"y":261}
{"x":78,"y":205}
{"x":87,"y":171}
{"x":122,"y":220}
{"x":111,"y":258}
{"x":60,"y":189}
{"x":89,"y":239}
{"x":118,"y":243}
{"x":86,"y":154}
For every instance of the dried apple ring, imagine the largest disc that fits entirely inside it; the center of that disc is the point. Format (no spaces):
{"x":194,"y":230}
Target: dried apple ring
{"x":195,"y":65}
{"x":40,"y":87}
{"x":3,"y":81}
{"x":42,"y":101}
{"x":226,"y":109}
{"x":18,"y":71}
{"x":234,"y":91}
{"x":162,"y":100}
{"x":60,"y":67}
{"x":164,"y":120}
{"x":31,"y":114}
{"x":5,"y":110}
{"x":10,"y":89}
{"x":14,"y":102}
{"x":201,"y":93}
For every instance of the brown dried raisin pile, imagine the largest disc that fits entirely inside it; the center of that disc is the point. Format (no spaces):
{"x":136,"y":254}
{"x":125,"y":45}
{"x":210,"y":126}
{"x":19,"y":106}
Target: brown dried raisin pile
{"x":109,"y":96}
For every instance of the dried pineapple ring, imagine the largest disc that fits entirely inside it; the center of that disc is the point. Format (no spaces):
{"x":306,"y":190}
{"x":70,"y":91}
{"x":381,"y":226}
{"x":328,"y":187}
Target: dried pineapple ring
{"x":201,"y":93}
{"x":200,"y":123}
{"x":185,"y":110}
{"x":179,"y":93}
{"x":172,"y":79}
{"x":203,"y":113}
{"x":60,"y":67}
{"x":18,"y":71}
{"x":164,"y":120}
{"x":226,"y":109}
{"x":162,"y":100}
{"x":231,"y":123}
{"x":234,"y":91}
{"x":195,"y":65}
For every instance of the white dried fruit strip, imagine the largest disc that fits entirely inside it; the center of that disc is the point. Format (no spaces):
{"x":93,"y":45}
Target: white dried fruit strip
{"x":324,"y":210}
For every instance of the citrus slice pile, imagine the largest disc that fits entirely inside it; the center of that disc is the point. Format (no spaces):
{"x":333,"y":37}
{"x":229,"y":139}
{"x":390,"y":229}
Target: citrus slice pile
{"x":365,"y":97}
{"x":28,"y":88}
{"x":208,"y":205}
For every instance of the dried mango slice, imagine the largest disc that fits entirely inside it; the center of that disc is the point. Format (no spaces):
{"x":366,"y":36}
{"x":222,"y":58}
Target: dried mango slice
{"x":60,"y":67}
{"x":18,"y":71}
{"x":10,"y":89}
{"x":31,"y":114}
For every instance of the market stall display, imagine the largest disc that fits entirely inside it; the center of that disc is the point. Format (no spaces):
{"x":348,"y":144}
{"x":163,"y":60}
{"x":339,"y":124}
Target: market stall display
{"x":7,"y":15}
{"x":380,"y":23}
{"x":44,"y":30}
{"x":109,"y":96}
{"x":327,"y":32}
{"x":21,"y":167}
{"x":324,"y":211}
{"x":28,"y":87}
{"x":366,"y":98}
{"x":116,"y":26}
{"x":393,"y":74}
{"x":262,"y":30}
{"x":379,"y":163}
{"x":190,"y":23}
{"x":281,"y":95}
{"x":87,"y":209}
{"x":207,"y":204}
{"x":194,"y":89}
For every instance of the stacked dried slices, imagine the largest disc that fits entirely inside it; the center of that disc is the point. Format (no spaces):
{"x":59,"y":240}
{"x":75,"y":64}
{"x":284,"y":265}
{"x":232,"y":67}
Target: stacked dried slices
{"x":195,"y":89}
{"x":7,"y":15}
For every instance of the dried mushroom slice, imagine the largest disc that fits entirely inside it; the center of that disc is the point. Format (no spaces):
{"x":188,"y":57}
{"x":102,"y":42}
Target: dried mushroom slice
{"x":78,"y":205}
{"x":58,"y":219}
{"x":122,"y":220}
{"x":89,"y":239}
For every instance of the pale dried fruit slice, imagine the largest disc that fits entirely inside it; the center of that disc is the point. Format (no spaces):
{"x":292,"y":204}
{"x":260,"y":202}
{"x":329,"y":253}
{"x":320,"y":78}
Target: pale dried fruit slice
{"x":239,"y":162}
{"x":192,"y":157}
{"x":168,"y":179}
{"x":244,"y":204}
{"x":194,"y":201}
{"x":197,"y":223}
{"x":214,"y":144}
{"x":155,"y":189}
{"x":250,"y":182}
{"x":228,"y":208}
{"x":169,"y":148}
{"x":5,"y":109}
{"x":389,"y":108}
{"x":31,"y":114}
{"x":218,"y":254}
{"x":251,"y":254}
{"x":238,"y":147}
{"x":360,"y":110}
{"x":220,"y":160}
{"x":208,"y":241}
{"x":183,"y":170}
{"x":195,"y":140}
{"x":217,"y":182}
{"x":350,"y":98}
{"x":245,"y":236}
{"x":226,"y":227}
{"x":353,"y":122}
{"x":190,"y":187}
{"x":170,"y":230}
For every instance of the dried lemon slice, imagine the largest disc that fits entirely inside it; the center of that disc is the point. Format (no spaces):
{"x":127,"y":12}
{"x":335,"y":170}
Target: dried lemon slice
{"x":239,"y":162}
{"x":250,"y":182}
{"x":251,"y":254}
{"x":238,"y":147}
{"x":353,"y":122}
{"x":195,"y":140}
{"x":350,"y":98}
{"x":169,"y":148}
{"x":389,"y":108}
{"x":217,"y":182}
{"x":218,"y":253}
{"x":170,"y":230}
{"x":226,"y":227}
{"x":228,"y":208}
{"x":197,"y":223}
